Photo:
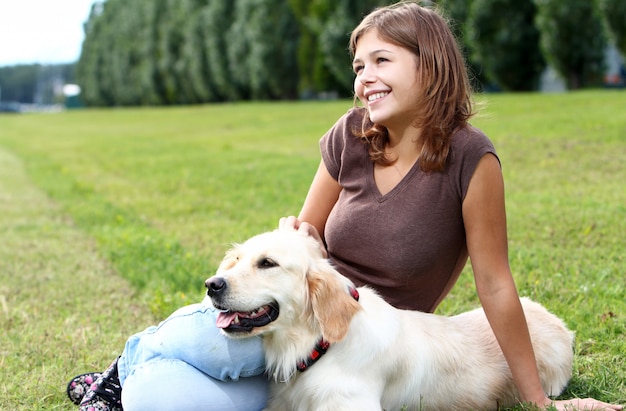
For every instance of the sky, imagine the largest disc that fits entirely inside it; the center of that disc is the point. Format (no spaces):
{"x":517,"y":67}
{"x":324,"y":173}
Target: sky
{"x":42,"y":31}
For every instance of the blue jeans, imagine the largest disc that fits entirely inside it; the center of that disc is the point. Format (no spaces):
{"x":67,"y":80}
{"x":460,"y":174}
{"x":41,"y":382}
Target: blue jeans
{"x":186,"y":363}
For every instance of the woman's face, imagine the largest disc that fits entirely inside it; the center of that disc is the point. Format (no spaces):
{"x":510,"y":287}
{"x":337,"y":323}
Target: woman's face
{"x":386,"y":81}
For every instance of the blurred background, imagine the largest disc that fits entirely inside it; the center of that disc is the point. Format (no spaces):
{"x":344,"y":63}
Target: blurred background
{"x":181,"y":52}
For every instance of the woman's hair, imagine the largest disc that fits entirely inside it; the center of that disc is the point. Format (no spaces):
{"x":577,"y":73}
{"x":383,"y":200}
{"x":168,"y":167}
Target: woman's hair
{"x":445,"y":94}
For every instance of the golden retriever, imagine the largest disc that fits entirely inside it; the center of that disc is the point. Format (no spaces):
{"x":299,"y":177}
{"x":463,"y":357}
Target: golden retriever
{"x":279,"y":285}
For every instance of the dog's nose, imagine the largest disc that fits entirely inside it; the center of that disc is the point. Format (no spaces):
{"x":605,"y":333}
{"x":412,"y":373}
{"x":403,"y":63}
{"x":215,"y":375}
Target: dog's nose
{"x":215,"y":286}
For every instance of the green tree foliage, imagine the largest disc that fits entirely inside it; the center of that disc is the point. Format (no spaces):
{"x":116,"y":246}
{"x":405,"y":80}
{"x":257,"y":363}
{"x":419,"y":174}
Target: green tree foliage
{"x":18,"y":83}
{"x":273,"y":62}
{"x":91,"y":63}
{"x":169,"y":40}
{"x":153,"y":52}
{"x":457,"y":12}
{"x":306,"y":53}
{"x":506,"y":42}
{"x":333,"y":23}
{"x":34,"y":83}
{"x":215,"y":21}
{"x":320,"y":76}
{"x":196,"y":82}
{"x":573,"y":39}
{"x":181,"y":64}
{"x":112,"y":68}
{"x":615,"y":12}
{"x":268,"y":66}
{"x":119,"y":71}
{"x":145,"y":14}
{"x":238,"y":48}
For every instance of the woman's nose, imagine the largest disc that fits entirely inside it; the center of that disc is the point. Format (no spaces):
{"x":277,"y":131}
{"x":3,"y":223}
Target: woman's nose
{"x":367,"y":76}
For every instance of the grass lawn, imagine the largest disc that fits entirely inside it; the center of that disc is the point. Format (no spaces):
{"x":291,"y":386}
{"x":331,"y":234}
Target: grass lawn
{"x":113,"y":218}
{"x":62,"y":306}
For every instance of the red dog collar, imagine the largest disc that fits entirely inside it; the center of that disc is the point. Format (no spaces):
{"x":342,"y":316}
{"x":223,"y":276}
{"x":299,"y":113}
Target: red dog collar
{"x":322,"y":345}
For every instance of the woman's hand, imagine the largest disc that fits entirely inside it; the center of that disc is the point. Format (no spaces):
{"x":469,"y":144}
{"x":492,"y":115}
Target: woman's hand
{"x":294,"y":223}
{"x":580,"y":404}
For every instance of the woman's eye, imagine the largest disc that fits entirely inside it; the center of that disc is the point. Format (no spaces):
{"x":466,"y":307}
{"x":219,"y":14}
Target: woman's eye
{"x":357,"y":69}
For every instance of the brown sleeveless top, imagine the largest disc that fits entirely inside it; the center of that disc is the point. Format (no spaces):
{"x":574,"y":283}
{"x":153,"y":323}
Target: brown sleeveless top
{"x":408,"y":244}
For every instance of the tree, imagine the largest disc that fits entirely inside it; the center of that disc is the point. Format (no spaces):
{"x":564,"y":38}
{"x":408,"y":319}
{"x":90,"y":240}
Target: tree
{"x":169,"y":21}
{"x":457,"y":12}
{"x":151,"y":52}
{"x":321,"y":78}
{"x":91,"y":65}
{"x":506,"y":42}
{"x":109,"y":70}
{"x":238,"y":49}
{"x":196,"y":82}
{"x":262,"y":49}
{"x":615,"y":12}
{"x":215,"y":20}
{"x":573,"y":40}
{"x":124,"y":51}
{"x":333,"y":24}
{"x":144,"y":35}
{"x":273,"y":58}
{"x":307,"y":47}
{"x":18,"y":83}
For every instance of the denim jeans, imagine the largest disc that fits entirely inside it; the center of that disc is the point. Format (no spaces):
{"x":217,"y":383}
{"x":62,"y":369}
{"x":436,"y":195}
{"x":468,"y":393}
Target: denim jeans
{"x":186,"y":363}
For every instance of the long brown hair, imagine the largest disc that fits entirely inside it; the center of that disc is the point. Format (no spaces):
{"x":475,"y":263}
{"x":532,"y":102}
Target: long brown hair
{"x":446,"y":97}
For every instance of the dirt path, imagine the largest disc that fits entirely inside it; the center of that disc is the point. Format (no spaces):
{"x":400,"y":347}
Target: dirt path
{"x":63,"y":311}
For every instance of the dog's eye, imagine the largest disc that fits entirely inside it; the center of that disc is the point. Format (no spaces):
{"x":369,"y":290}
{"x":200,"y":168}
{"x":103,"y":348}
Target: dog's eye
{"x":267,"y":263}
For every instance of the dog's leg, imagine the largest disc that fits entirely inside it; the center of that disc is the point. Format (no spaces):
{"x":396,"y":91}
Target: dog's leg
{"x":553,"y":346}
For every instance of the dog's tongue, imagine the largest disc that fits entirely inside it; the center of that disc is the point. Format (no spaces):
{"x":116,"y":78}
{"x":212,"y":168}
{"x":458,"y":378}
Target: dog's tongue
{"x":225,"y":319}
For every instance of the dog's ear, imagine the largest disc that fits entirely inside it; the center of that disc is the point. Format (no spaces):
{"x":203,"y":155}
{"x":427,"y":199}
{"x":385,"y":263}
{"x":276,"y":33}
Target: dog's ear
{"x":333,"y":307}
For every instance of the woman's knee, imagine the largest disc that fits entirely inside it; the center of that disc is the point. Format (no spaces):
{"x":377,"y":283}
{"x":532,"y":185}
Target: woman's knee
{"x":190,"y":335}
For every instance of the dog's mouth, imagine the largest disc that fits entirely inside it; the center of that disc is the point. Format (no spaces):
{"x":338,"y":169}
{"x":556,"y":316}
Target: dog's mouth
{"x":240,"y":321}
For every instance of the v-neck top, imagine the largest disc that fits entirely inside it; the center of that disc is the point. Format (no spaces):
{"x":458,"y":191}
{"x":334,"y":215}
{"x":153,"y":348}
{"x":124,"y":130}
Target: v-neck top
{"x":408,"y":244}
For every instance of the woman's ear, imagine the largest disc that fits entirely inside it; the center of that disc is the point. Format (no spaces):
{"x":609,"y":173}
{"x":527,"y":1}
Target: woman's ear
{"x":333,"y":307}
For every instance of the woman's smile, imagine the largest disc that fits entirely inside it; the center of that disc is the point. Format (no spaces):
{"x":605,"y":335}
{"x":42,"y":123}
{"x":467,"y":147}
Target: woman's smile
{"x":386,"y":81}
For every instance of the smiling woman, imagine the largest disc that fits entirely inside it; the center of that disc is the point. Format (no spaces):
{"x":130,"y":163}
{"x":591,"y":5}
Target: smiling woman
{"x":385,"y":86}
{"x":113,"y":172}
{"x":409,"y":238}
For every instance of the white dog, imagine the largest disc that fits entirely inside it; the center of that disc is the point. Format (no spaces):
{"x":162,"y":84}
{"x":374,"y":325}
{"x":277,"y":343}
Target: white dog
{"x":278,"y":285}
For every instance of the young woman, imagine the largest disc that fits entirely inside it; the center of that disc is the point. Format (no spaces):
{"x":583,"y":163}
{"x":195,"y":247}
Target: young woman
{"x":406,"y":191}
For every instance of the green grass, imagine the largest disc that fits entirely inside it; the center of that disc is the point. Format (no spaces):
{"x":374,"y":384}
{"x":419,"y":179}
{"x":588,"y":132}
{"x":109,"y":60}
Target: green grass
{"x":63,"y":309}
{"x":146,"y":201}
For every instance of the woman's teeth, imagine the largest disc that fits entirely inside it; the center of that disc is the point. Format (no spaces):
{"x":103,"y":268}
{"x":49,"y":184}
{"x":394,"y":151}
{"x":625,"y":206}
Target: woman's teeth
{"x":376,"y":96}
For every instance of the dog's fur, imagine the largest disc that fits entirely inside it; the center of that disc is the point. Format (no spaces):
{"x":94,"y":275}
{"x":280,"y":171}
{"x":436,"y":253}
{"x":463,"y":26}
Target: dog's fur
{"x":380,"y":358}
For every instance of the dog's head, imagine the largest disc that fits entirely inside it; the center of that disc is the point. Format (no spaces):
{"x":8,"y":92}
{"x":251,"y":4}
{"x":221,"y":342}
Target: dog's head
{"x":279,"y":280}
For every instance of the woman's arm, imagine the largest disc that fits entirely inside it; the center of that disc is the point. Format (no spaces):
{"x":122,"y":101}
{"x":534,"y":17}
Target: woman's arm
{"x":320,"y":200}
{"x":485,"y":224}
